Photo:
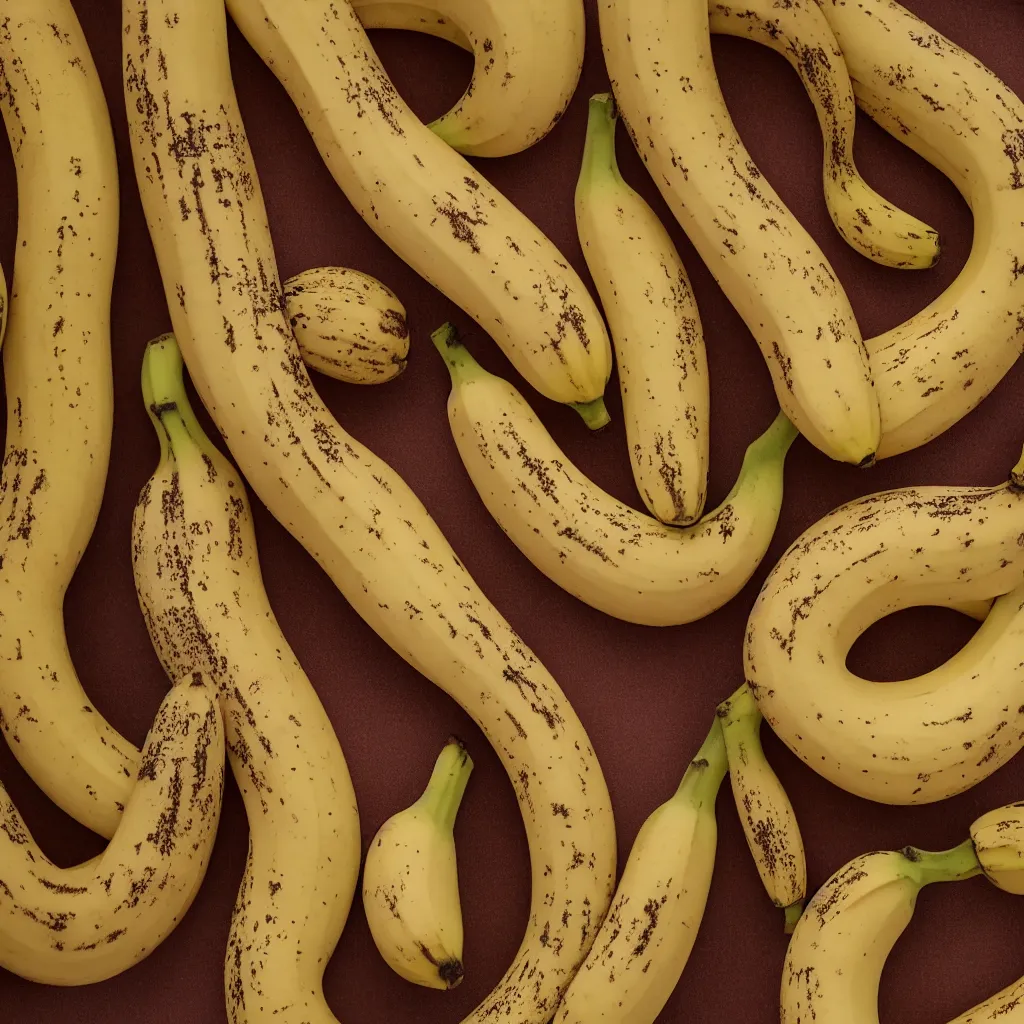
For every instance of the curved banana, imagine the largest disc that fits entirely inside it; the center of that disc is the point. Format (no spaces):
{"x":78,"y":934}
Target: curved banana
{"x":766,"y":814}
{"x":429,"y":204}
{"x":835,"y":958}
{"x":951,"y":110}
{"x":348,"y":508}
{"x":83,"y":924}
{"x":658,"y":54}
{"x":998,"y":838}
{"x":200,"y":588}
{"x":528,"y":60}
{"x":591,"y":544}
{"x":643,"y":944}
{"x":655,"y":328}
{"x":411,"y":881}
{"x":921,"y":739}
{"x":348,"y":324}
{"x":59,"y":385}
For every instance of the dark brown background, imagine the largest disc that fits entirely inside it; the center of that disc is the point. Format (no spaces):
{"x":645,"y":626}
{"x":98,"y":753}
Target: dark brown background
{"x":645,"y":695}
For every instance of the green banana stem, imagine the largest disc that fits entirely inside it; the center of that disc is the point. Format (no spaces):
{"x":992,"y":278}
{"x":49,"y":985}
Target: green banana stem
{"x":594,"y":413}
{"x":704,"y":774}
{"x":599,"y":148}
{"x":953,"y":865}
{"x":443,"y":795}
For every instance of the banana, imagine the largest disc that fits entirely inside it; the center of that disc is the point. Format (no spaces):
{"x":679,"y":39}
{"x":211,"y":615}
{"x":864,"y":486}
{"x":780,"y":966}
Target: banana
{"x":83,"y":924}
{"x":429,"y":204}
{"x":835,"y":958}
{"x":198,"y":578}
{"x":590,"y":543}
{"x":59,"y":403}
{"x":644,"y":942}
{"x":921,"y":739}
{"x":999,"y":843}
{"x":528,"y":60}
{"x":411,"y":881}
{"x":658,"y":54}
{"x":936,"y":98}
{"x":348,"y":508}
{"x":348,"y":325}
{"x":766,"y":814}
{"x":655,"y":327}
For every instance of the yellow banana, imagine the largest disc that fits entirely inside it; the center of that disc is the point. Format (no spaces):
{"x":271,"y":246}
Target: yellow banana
{"x":998,"y":838}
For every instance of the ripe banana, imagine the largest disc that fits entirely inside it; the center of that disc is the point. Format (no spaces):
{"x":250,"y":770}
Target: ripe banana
{"x":642,"y":947}
{"x":349,"y":509}
{"x":999,"y":843}
{"x":411,"y":880}
{"x":592,"y":545}
{"x":198,"y":578}
{"x":431,"y":206}
{"x":655,"y":328}
{"x":836,"y":955}
{"x":82,"y":924}
{"x":658,"y":54}
{"x":799,"y":32}
{"x":59,"y":403}
{"x":950,"y":109}
{"x":766,"y":814}
{"x":921,"y":739}
{"x":528,"y":59}
{"x":348,"y":325}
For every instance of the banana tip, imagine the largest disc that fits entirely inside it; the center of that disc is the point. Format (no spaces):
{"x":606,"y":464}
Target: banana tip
{"x":451,"y":972}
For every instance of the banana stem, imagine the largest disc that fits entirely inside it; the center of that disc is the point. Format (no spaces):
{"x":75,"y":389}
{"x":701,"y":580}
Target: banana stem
{"x":740,"y":711}
{"x":595,"y":413}
{"x":704,"y":774}
{"x":953,"y":865}
{"x":456,"y":356}
{"x":443,"y":795}
{"x":599,"y":148}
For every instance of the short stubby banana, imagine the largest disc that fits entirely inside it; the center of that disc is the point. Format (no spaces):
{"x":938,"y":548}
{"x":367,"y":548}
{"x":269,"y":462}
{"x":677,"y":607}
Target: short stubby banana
{"x":766,"y":813}
{"x":57,"y":373}
{"x":658,"y":54}
{"x":655,"y":328}
{"x":949,"y":108}
{"x":643,"y":944}
{"x":348,"y":508}
{"x":83,"y":924}
{"x":198,"y":577}
{"x":799,"y":32}
{"x":528,"y":57}
{"x":835,"y":959}
{"x":429,"y":204}
{"x":411,"y":879}
{"x":998,"y":838}
{"x":921,"y":739}
{"x":591,"y":544}
{"x":348,"y":324}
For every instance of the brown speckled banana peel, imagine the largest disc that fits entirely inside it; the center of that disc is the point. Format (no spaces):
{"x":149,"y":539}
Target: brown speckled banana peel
{"x":82,"y":924}
{"x":412,"y":16}
{"x":998,"y":838}
{"x":59,"y":403}
{"x":658,"y":54}
{"x":944,"y":104}
{"x":429,"y":204}
{"x":592,"y":545}
{"x":349,"y":509}
{"x":200,"y":588}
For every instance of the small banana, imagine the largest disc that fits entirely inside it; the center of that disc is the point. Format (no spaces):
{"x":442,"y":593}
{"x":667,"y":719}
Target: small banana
{"x":999,"y":842}
{"x":589,"y":543}
{"x":643,"y":944}
{"x":411,"y":882}
{"x":655,"y":327}
{"x":348,"y":324}
{"x":766,"y":814}
{"x":836,"y":955}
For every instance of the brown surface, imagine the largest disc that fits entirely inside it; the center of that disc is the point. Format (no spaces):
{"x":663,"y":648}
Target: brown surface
{"x":646,"y":696}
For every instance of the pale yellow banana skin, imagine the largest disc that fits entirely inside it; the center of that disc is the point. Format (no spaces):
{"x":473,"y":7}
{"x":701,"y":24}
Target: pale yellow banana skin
{"x":59,"y":403}
{"x":350,"y":510}
{"x":349,"y":325}
{"x":999,"y":842}
{"x":83,"y":924}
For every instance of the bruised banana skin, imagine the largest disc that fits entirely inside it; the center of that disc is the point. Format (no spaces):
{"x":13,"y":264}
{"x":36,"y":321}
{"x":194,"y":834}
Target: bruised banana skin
{"x":84,"y":924}
{"x":658,"y":54}
{"x":198,"y":578}
{"x":998,"y":838}
{"x":347,"y":507}
{"x":429,"y":204}
{"x":59,"y":385}
{"x":528,"y":60}
{"x":936,"y":98}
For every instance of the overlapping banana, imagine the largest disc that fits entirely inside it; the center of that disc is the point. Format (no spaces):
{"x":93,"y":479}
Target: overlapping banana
{"x":349,"y":509}
{"x":590,"y":543}
{"x":921,"y":739}
{"x":528,"y":59}
{"x":998,"y":838}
